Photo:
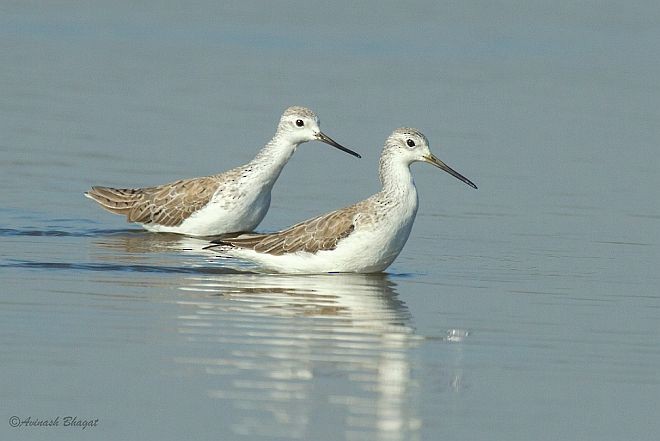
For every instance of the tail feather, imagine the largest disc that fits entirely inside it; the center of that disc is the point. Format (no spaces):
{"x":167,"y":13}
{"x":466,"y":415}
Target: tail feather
{"x":115,"y":200}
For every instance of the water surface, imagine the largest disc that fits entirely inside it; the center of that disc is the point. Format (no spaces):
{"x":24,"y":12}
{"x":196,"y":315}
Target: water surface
{"x":527,"y":309}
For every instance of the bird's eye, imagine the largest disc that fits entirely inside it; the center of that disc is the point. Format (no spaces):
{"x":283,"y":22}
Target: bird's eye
{"x":300,"y":123}
{"x":410,"y":143}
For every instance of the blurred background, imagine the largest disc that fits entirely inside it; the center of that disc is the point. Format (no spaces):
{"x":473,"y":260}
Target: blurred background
{"x":527,"y":309}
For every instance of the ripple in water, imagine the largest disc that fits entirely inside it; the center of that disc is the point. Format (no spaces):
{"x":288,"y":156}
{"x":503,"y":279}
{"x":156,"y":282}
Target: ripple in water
{"x":290,"y":347}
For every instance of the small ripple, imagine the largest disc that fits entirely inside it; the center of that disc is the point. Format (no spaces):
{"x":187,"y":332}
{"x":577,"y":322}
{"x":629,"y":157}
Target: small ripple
{"x":613,"y":242}
{"x":403,"y":275}
{"x":284,"y":341}
{"x":8,"y":232}
{"x":23,"y":264}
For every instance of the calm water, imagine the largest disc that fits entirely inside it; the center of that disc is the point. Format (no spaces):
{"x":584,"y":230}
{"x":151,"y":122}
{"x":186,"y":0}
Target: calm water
{"x":528,"y":309}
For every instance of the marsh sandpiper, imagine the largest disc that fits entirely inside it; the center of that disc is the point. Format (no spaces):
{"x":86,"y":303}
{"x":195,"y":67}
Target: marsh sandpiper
{"x":229,"y":202}
{"x":364,"y":237}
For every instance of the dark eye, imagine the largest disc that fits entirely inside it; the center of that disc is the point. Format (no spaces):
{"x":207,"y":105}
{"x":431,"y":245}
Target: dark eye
{"x":410,"y":143}
{"x":300,"y":123}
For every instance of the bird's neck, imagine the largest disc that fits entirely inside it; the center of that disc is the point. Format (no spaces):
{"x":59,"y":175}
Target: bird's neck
{"x":395,"y":176}
{"x":272,"y":158}
{"x":398,"y":185}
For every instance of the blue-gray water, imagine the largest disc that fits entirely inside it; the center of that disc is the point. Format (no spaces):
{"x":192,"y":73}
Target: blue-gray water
{"x":528,"y":309}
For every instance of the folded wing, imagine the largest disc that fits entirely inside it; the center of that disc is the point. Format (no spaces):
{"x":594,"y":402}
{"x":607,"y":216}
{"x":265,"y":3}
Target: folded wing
{"x":168,"y":205}
{"x":317,"y":234}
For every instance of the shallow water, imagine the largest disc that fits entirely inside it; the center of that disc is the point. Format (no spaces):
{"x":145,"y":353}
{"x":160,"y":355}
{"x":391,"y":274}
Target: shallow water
{"x":527,"y":309}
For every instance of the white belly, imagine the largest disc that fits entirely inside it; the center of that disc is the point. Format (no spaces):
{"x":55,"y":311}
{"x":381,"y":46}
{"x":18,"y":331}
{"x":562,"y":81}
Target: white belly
{"x":367,"y":251}
{"x":374,"y":244}
{"x":222,"y":216}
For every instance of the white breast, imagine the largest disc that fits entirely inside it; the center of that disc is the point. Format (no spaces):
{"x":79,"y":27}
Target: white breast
{"x":371,"y":247}
{"x":224,"y":214}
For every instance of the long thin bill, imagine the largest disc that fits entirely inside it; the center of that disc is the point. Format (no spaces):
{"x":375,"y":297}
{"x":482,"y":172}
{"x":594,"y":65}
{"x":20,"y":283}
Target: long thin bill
{"x":325,"y":138}
{"x":431,"y":159}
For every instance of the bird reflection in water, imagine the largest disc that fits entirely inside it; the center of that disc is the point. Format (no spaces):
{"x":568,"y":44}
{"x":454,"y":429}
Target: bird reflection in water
{"x":299,"y":355}
{"x":141,"y":242}
{"x":287,"y":356}
{"x":139,"y":250}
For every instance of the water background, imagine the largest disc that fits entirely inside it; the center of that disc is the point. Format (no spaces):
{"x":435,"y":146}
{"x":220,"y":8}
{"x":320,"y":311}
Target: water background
{"x":528,"y":309}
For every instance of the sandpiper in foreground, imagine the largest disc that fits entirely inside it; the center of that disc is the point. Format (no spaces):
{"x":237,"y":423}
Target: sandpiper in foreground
{"x":234,"y":201}
{"x":364,"y":237}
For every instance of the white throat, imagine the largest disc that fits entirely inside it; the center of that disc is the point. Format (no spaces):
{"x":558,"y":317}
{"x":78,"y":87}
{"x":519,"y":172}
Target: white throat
{"x":394,"y":173}
{"x":272,"y":158}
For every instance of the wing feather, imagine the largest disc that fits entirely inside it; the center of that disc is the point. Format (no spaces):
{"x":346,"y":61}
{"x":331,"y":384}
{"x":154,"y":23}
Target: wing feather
{"x":171,"y":204}
{"x":317,"y":234}
{"x":168,"y":205}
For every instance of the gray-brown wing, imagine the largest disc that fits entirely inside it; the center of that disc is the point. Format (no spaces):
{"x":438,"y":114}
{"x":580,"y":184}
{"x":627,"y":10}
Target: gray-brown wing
{"x":168,"y":205}
{"x":116,"y":200}
{"x":320,"y":233}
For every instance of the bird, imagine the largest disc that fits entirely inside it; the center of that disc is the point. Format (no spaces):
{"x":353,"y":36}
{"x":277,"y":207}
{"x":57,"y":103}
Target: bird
{"x":364,"y":237}
{"x":233,"y":201}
